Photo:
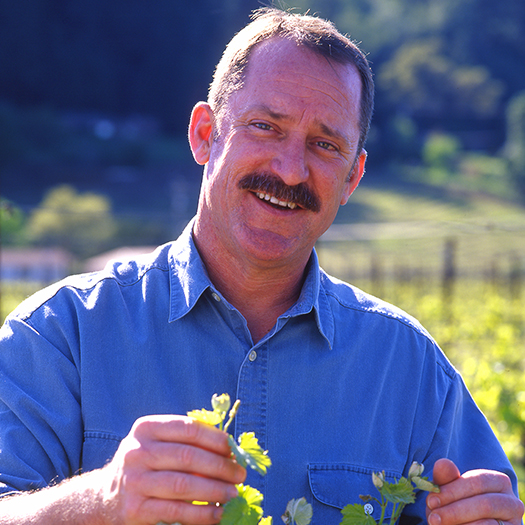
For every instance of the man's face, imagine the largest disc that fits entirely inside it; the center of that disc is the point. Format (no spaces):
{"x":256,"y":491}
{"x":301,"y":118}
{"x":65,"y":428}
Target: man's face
{"x":283,"y":160}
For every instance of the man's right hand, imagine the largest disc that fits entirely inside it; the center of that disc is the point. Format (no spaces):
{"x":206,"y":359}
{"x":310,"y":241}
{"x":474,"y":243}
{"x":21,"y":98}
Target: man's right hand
{"x":162,"y":466}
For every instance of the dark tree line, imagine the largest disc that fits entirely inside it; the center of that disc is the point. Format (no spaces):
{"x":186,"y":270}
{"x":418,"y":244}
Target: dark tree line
{"x":447,"y":65}
{"x":127,"y":56}
{"x":117,"y":57}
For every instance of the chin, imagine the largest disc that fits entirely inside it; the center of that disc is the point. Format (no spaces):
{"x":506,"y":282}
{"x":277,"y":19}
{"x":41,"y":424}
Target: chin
{"x":269,"y":246}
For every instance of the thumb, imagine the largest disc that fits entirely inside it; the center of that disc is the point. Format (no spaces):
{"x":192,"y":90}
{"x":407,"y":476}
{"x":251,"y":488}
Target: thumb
{"x":445,"y":471}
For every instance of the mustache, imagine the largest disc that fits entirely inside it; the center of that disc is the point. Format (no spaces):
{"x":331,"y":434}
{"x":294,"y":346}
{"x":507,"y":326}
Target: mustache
{"x":268,"y":183}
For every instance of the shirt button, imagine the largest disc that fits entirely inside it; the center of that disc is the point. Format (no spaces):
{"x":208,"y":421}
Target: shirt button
{"x":215,"y":295}
{"x":252,"y":356}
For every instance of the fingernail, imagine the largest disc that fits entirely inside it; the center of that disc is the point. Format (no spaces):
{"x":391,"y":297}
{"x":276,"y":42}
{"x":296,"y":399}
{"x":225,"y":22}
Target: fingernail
{"x":217,"y":513}
{"x":434,"y":519}
{"x":232,"y":492}
{"x":433,"y":502}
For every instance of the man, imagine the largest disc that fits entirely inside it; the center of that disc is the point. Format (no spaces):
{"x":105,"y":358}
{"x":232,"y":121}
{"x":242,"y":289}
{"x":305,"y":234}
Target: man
{"x":333,"y":382}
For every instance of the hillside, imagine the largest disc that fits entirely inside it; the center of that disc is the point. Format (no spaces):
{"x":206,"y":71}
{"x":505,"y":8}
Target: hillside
{"x":402,"y":229}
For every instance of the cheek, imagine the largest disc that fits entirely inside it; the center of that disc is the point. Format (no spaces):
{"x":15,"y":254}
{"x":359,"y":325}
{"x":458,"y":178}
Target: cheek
{"x":334,"y":188}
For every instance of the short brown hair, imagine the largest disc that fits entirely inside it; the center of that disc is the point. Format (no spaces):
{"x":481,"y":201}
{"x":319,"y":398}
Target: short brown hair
{"x":315,"y":33}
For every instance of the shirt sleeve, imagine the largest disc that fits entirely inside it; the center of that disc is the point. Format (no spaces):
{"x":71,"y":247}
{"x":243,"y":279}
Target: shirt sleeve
{"x":40,"y":411}
{"x":461,"y":433}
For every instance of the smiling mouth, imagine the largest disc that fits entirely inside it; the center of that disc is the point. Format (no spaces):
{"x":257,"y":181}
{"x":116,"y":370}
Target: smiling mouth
{"x":273,"y":200}
{"x":274,"y":192}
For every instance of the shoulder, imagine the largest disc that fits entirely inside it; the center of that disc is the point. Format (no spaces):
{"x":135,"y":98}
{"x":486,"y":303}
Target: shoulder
{"x":87,"y":287}
{"x":382,"y":325}
{"x":353,"y":298}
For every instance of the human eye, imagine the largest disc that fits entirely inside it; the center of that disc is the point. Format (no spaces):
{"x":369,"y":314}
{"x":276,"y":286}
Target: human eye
{"x":329,"y":146}
{"x":262,"y":126}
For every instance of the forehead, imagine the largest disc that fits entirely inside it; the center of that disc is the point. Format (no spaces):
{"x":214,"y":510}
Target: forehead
{"x":285,"y":72}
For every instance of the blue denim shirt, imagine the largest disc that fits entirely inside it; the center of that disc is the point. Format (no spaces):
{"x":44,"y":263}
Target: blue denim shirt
{"x":342,"y":386}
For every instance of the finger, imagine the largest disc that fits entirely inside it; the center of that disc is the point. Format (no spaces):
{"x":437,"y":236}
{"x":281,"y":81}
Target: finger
{"x":187,"y":458}
{"x":170,"y":511}
{"x":181,"y":486}
{"x":445,"y":471}
{"x":180,"y":429}
{"x":484,"y":507}
{"x":472,"y":483}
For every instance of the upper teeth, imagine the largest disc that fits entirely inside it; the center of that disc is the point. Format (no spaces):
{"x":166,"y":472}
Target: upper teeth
{"x":273,"y":200}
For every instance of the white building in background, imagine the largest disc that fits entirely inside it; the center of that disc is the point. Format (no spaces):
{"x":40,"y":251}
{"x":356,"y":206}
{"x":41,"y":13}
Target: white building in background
{"x":118,"y":254}
{"x":43,"y":265}
{"x":48,"y":265}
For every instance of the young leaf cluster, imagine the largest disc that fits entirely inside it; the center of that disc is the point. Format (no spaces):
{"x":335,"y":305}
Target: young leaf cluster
{"x":398,"y":494}
{"x":246,"y":508}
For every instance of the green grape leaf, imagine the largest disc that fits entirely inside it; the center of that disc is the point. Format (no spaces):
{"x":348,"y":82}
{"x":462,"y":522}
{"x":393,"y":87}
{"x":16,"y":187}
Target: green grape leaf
{"x":400,"y":492}
{"x":298,"y":511}
{"x":207,"y":416}
{"x":424,"y":484}
{"x":355,"y":515}
{"x":249,"y":453}
{"x":245,"y":509}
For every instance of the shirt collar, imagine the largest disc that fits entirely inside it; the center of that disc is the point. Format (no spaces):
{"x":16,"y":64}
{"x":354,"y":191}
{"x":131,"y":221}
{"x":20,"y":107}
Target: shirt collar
{"x":313,"y":300}
{"x":189,"y":280}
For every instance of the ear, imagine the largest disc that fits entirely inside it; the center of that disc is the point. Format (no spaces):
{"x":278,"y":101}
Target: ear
{"x":355,"y":177}
{"x":200,"y":132}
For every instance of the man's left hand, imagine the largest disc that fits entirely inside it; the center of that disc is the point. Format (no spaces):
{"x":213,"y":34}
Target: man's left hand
{"x":480,"y":497}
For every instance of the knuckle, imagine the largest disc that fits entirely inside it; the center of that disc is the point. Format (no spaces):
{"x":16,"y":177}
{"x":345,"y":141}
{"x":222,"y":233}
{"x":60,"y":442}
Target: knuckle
{"x":223,"y":468}
{"x":191,"y":430}
{"x":487,"y":506}
{"x":132,"y":482}
{"x":175,"y":511}
{"x":138,"y":424}
{"x":136,"y":454}
{"x":180,"y":485}
{"x":521,"y":508}
{"x":142,"y":427}
{"x":518,"y":508}
{"x":506,"y":483}
{"x":186,"y":456}
{"x":133,"y":510}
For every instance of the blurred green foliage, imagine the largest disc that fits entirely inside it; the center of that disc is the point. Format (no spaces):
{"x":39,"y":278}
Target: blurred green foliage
{"x":481,"y":329}
{"x":12,"y":222}
{"x":82,"y":223}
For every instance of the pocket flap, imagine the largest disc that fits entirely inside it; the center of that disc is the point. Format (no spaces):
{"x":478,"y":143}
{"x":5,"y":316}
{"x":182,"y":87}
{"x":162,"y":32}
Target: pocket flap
{"x":338,"y":485}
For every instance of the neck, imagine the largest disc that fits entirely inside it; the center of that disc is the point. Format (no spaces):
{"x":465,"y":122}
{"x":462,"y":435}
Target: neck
{"x":260,"y":291}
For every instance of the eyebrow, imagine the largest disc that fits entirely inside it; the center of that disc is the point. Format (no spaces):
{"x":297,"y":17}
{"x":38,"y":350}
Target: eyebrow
{"x":335,"y":134}
{"x":327,"y":130}
{"x":270,"y":112}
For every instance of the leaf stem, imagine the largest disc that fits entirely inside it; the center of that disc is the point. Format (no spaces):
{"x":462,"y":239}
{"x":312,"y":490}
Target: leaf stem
{"x":384,"y":503}
{"x":232,"y":414}
{"x":393,"y":519}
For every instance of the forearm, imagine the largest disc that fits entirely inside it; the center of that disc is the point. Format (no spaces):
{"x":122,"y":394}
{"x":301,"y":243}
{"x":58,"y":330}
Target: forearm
{"x":72,"y":501}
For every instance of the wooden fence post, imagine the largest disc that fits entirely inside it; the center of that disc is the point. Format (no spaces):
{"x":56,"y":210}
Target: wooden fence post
{"x":515,"y":277}
{"x":449,"y":270}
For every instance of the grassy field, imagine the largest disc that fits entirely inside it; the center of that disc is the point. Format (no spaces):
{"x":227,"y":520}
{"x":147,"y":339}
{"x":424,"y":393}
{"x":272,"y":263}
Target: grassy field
{"x":403,"y":230}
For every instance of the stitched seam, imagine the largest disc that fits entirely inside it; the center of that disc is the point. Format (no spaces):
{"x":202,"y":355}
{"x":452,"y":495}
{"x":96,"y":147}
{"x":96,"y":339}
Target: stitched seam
{"x":91,"y":288}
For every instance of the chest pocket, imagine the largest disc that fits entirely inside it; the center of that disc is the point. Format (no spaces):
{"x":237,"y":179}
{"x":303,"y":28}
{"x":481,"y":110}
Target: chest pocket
{"x":98,"y":449}
{"x":335,"y":485}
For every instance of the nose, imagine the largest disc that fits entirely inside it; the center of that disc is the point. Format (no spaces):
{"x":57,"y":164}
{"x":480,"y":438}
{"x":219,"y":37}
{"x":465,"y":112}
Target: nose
{"x":289,"y":162}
